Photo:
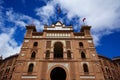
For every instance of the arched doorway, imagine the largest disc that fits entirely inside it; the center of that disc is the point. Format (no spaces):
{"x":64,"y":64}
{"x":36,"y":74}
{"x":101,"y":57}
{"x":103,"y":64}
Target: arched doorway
{"x":58,"y":73}
{"x":58,"y":50}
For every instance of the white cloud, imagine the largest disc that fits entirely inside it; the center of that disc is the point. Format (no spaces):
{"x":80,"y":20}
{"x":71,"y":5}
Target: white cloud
{"x":22,"y":20}
{"x":15,"y":18}
{"x":8,"y":45}
{"x":102,"y":15}
{"x":45,"y":12}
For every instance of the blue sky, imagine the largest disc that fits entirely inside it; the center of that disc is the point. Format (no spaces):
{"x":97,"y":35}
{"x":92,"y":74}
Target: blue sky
{"x":102,"y":15}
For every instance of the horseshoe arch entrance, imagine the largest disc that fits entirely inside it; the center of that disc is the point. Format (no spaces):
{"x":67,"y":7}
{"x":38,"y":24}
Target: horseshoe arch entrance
{"x":58,"y":73}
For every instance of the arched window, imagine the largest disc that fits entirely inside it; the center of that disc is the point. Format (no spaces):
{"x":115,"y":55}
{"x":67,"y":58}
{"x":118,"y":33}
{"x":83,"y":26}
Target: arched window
{"x":58,"y":50}
{"x":85,"y":68}
{"x":35,"y":44}
{"x":7,"y":70}
{"x":1,"y":73}
{"x":4,"y":78}
{"x":80,"y":44}
{"x":10,"y":77}
{"x":33,"y":55}
{"x":13,"y":69}
{"x":30,"y":68}
{"x":47,"y":54}
{"x":83,"y":56}
{"x":107,"y":70}
{"x":68,"y":54}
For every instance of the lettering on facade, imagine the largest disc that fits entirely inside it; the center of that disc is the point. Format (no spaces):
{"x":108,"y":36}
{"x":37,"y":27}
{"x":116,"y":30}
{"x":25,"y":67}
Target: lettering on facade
{"x":36,"y":36}
{"x":79,"y":37}
{"x":58,"y":28}
{"x":53,"y":64}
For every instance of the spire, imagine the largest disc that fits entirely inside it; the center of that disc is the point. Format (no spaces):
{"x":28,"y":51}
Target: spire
{"x":58,"y":12}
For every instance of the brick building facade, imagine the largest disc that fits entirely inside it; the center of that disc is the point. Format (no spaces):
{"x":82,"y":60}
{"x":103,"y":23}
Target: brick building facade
{"x":58,"y":53}
{"x":110,"y":68}
{"x":7,"y":66}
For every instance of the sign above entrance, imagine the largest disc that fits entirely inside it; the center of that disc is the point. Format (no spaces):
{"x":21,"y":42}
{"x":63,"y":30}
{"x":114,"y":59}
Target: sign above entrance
{"x":50,"y":65}
{"x":58,"y":28}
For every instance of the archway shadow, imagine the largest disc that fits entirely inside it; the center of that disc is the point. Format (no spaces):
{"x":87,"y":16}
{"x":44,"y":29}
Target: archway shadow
{"x":58,"y":73}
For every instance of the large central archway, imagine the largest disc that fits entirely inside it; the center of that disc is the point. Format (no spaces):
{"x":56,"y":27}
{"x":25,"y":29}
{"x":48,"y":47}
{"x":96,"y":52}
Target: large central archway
{"x":58,"y":50}
{"x":58,"y":73}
